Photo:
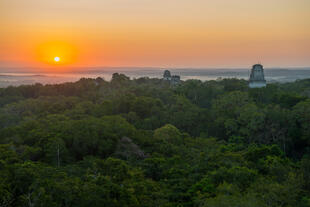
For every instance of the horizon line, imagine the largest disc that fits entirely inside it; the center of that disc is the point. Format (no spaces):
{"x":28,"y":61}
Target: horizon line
{"x":149,"y":67}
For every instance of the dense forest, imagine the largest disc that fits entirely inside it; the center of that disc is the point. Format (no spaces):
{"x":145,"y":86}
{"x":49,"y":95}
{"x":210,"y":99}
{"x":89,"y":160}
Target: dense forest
{"x":144,"y":142}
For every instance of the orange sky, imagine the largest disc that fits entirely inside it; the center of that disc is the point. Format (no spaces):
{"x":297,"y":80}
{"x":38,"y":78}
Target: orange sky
{"x":161,"y":33}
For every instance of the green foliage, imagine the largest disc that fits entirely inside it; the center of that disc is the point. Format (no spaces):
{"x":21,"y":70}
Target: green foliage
{"x":168,"y":133}
{"x":143,"y":143}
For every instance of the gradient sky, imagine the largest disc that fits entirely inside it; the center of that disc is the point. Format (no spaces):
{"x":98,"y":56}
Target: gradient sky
{"x":159,"y":33}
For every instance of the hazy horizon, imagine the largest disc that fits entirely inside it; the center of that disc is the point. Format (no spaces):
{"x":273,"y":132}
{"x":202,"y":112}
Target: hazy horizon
{"x":79,"y":69}
{"x":26,"y":77}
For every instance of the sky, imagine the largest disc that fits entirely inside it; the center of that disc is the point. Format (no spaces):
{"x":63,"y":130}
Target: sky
{"x":154,"y":33}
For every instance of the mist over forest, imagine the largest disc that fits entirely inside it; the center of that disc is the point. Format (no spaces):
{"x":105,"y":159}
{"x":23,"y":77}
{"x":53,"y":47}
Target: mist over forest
{"x":27,"y":76}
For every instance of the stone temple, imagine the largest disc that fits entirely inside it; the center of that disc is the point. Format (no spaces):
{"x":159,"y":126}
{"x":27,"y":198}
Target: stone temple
{"x":173,"y":79}
{"x":167,"y":75}
{"x":257,"y":78}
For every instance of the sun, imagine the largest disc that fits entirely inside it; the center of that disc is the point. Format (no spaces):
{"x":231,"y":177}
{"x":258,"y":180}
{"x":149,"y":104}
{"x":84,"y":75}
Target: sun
{"x":56,"y":59}
{"x":56,"y":53}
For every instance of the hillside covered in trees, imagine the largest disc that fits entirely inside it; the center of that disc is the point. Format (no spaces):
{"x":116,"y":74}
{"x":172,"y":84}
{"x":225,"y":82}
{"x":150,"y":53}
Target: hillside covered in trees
{"x":142,"y":142}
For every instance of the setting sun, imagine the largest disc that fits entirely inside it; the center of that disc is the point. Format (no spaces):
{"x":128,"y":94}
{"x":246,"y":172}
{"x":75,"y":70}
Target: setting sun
{"x":56,"y":59}
{"x":60,"y":52}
